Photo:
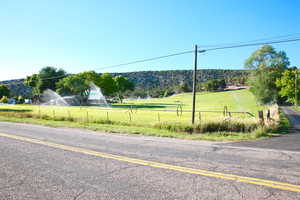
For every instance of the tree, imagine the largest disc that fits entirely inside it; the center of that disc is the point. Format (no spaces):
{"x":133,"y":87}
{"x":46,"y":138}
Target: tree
{"x":221,"y":84}
{"x":266,"y":56}
{"x":287,"y":85}
{"x":72,"y":85}
{"x":77,"y":84}
{"x":32,"y":80}
{"x":45,"y":79}
{"x":4,"y":99}
{"x":48,"y":76}
{"x":267,"y":65}
{"x":183,"y":87}
{"x":20,"y":99}
{"x":107,"y":84}
{"x":4,"y":91}
{"x":122,"y":85}
{"x":214,"y":85}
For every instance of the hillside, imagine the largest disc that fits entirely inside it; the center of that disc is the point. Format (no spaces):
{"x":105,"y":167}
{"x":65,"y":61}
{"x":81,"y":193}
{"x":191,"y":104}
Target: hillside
{"x":150,"y":80}
{"x":17,"y":88}
{"x":162,"y":79}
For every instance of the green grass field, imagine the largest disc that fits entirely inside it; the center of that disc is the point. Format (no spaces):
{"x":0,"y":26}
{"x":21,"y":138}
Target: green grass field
{"x":155,"y":117}
{"x":150,"y":111}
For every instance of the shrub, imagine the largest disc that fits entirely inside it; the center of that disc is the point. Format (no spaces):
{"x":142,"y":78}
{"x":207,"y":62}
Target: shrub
{"x":209,"y":127}
{"x":175,"y":127}
{"x":4,"y":99}
{"x":21,"y":99}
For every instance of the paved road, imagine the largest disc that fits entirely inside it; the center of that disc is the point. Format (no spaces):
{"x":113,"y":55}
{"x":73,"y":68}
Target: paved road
{"x":57,"y":163}
{"x":290,"y":142}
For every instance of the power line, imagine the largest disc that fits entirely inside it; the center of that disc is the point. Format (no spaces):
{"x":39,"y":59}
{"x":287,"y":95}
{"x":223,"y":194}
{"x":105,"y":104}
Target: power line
{"x":130,"y":63}
{"x":251,"y":44}
{"x":124,"y":64}
{"x":55,"y":77}
{"x":256,"y":40}
{"x":184,"y":52}
{"x":144,"y":60}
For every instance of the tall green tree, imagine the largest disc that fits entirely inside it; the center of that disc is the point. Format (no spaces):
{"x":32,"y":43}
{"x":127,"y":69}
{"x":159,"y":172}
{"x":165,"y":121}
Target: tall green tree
{"x":289,"y":85}
{"x":77,"y":84}
{"x":107,"y":84}
{"x":45,"y":79}
{"x":48,"y":77}
{"x":4,"y":91}
{"x":214,"y":85}
{"x":122,"y":85}
{"x":267,"y":65}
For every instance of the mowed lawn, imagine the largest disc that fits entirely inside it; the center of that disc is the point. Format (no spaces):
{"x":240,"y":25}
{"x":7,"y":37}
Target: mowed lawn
{"x":154,"y":110}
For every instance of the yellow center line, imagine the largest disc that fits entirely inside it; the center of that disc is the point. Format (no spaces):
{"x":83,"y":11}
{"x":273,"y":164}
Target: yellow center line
{"x":244,"y":179}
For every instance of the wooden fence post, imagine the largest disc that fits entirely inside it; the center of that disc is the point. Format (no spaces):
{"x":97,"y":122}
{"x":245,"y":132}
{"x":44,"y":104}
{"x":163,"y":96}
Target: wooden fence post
{"x":261,"y":117}
{"x":87,"y":117}
{"x":268,"y":115}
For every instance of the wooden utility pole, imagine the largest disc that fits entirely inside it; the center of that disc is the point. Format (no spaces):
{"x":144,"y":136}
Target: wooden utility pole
{"x":296,"y":97}
{"x":194,"y":84}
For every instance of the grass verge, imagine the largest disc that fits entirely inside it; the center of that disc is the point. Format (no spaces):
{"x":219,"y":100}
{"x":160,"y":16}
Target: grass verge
{"x":213,"y":131}
{"x":146,"y":131}
{"x":284,"y":124}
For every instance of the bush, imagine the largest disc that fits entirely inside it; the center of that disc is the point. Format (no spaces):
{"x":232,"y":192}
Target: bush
{"x":214,"y":85}
{"x":209,"y":127}
{"x":20,"y":99}
{"x":4,"y":99}
{"x":175,"y":127}
{"x":226,"y":126}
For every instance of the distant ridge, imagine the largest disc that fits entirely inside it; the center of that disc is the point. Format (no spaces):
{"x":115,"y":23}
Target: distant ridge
{"x":147,"y":80}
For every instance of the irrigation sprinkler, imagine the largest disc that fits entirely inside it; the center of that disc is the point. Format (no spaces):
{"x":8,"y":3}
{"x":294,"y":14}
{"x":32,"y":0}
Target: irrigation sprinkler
{"x":107,"y":118}
{"x":179,"y":110}
{"x":129,"y":113}
{"x":225,"y":112}
{"x":130,"y":108}
{"x":136,"y":109}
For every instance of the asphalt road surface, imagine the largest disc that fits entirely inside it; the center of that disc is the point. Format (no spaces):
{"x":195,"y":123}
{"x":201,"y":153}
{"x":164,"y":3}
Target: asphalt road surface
{"x":290,"y":142}
{"x":58,"y":163}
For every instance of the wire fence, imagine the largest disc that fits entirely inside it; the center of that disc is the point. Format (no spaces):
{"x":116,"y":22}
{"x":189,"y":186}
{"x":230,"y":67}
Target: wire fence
{"x":136,"y":116}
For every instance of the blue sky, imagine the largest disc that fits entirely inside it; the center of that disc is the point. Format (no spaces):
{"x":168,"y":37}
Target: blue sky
{"x":85,"y":35}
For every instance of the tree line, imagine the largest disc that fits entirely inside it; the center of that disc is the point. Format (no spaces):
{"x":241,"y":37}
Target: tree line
{"x":77,"y":84}
{"x":146,"y":83}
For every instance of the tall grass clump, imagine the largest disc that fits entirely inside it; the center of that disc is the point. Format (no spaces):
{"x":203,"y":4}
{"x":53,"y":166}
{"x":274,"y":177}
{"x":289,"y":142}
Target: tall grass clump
{"x":210,"y":127}
{"x":226,"y":126}
{"x":175,"y":127}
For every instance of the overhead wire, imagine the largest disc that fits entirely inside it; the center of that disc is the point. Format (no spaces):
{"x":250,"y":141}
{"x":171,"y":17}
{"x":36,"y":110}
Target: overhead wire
{"x":220,"y":47}
{"x":256,"y":40}
{"x":252,"y":44}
